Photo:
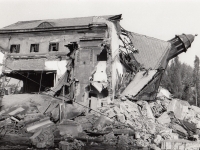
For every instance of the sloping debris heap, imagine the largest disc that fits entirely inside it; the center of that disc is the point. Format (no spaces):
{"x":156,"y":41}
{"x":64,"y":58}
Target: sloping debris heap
{"x":160,"y":124}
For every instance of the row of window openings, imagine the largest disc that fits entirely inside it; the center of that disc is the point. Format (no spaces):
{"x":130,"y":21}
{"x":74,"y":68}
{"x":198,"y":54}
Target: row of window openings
{"x":33,"y":48}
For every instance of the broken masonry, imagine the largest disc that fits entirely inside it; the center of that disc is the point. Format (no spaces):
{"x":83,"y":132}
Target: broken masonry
{"x":89,"y":76}
{"x":87,"y":60}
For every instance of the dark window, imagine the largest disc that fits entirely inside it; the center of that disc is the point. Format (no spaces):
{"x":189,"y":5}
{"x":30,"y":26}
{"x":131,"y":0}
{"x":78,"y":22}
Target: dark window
{"x":102,"y":56}
{"x":53,"y":47}
{"x":34,"y":48}
{"x":15,"y":48}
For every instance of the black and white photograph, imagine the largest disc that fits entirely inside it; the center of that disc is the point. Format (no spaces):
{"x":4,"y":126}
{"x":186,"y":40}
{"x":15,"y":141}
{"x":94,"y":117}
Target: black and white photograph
{"x":99,"y":74}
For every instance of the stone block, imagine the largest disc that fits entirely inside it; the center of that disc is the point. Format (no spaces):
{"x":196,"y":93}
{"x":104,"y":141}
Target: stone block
{"x":110,"y":113}
{"x":116,"y":110}
{"x":179,"y":108}
{"x":39,"y":124}
{"x":121,"y":118}
{"x":157,"y":140}
{"x":102,"y":122}
{"x":71,"y":128}
{"x":43,"y":138}
{"x":64,"y":145}
{"x":164,"y":118}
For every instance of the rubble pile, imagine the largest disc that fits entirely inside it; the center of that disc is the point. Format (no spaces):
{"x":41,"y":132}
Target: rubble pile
{"x":161,"y":124}
{"x":96,"y":86}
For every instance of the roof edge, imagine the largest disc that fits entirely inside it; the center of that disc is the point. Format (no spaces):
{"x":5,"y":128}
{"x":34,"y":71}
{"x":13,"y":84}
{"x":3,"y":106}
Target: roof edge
{"x":90,"y":26}
{"x":50,"y":21}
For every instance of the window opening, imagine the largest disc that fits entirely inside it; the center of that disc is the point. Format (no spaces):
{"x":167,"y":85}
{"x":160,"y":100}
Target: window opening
{"x":34,"y":48}
{"x":53,"y":47}
{"x":15,"y":48}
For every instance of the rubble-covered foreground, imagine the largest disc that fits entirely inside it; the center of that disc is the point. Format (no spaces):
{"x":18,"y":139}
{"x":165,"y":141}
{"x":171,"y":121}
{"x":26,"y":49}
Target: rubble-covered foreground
{"x":44,"y":122}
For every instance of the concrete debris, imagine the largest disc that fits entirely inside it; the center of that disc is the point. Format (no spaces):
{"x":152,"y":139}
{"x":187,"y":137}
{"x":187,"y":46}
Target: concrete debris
{"x":128,"y":131}
{"x":69,"y":128}
{"x":158,"y":139}
{"x":64,"y":145}
{"x":43,"y":138}
{"x":86,"y":122}
{"x":179,"y":145}
{"x":146,"y":110}
{"x":42,"y":109}
{"x":20,"y":109}
{"x":121,"y":118}
{"x":96,"y":86}
{"x":140,"y":80}
{"x":111,"y":112}
{"x":72,"y":111}
{"x":102,"y":122}
{"x":122,"y":124}
{"x":164,"y":118}
{"x":40,"y":124}
{"x":76,"y":144}
{"x":179,"y":109}
{"x":55,"y":114}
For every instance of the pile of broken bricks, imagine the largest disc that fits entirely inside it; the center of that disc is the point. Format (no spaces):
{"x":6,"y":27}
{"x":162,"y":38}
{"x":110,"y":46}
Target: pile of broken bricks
{"x":162,"y":124}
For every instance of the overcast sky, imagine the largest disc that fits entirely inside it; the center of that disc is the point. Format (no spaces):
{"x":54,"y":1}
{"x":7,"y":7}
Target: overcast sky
{"x":162,"y":19}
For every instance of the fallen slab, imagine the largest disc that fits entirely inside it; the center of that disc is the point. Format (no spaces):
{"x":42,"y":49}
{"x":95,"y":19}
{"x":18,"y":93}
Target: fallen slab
{"x":39,"y":124}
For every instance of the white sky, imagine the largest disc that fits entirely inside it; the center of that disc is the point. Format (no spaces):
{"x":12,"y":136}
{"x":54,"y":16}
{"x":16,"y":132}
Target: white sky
{"x":162,"y":19}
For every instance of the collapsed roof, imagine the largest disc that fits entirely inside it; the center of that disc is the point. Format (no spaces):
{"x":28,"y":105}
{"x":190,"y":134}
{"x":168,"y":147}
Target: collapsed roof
{"x":143,"y":58}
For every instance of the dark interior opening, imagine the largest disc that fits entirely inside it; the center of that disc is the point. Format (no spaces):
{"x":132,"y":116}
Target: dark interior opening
{"x":92,"y":95}
{"x":15,"y":48}
{"x":95,"y":93}
{"x":35,"y":81}
{"x":102,"y":56}
{"x":34,"y":48}
{"x":105,"y":92}
{"x":53,"y":47}
{"x":72,"y":47}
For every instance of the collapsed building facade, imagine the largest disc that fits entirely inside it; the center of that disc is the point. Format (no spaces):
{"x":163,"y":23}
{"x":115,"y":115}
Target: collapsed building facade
{"x":90,"y":63}
{"x":87,"y":59}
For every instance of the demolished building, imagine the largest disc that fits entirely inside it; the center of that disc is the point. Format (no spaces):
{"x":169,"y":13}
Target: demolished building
{"x":90,"y":61}
{"x":87,"y":57}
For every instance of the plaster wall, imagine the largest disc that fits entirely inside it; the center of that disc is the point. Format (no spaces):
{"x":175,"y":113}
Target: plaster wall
{"x":43,"y":39}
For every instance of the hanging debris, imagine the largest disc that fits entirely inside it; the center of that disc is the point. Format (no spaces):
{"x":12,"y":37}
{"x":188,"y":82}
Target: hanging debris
{"x":89,"y":82}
